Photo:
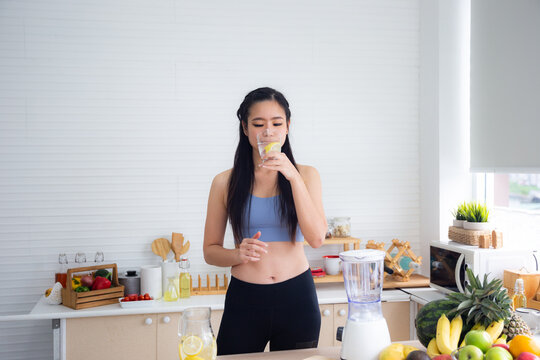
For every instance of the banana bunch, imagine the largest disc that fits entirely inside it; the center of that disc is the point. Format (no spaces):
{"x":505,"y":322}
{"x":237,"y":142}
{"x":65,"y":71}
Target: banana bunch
{"x":447,"y":337}
{"x":495,"y":329}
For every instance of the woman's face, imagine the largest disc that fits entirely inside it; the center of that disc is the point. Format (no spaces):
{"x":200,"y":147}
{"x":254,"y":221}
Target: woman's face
{"x":264,"y":115}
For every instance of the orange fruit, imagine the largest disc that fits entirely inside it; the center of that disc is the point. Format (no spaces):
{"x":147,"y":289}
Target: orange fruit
{"x":522,"y":343}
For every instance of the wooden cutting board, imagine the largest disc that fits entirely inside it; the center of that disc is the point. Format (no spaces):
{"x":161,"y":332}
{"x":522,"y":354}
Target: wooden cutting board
{"x":161,"y":247}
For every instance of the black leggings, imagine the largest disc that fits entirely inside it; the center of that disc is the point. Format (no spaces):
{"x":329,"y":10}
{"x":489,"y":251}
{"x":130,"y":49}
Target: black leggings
{"x":286,"y":314}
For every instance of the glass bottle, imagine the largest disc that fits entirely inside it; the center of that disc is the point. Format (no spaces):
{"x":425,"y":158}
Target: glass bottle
{"x":519,"y":300}
{"x":61,"y":275}
{"x":171,"y":293}
{"x":185,"y":278}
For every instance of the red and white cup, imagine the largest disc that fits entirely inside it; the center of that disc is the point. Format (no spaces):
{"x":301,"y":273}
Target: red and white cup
{"x":332,"y":264}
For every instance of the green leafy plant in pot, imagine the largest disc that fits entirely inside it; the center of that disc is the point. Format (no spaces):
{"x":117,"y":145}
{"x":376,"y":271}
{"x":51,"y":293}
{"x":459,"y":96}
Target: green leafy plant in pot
{"x":477,"y":217}
{"x":460,"y":215}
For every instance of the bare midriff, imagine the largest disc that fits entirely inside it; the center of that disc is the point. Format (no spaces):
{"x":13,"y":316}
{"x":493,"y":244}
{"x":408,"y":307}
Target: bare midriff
{"x":283,"y":261}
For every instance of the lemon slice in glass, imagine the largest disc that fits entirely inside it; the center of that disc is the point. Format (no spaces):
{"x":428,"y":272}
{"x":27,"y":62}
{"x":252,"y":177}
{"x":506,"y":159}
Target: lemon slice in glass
{"x":273,"y":146}
{"x":192,"y":345}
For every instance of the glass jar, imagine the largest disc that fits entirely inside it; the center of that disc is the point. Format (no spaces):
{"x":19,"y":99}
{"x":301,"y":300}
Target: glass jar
{"x":341,"y":226}
{"x":330,"y":223}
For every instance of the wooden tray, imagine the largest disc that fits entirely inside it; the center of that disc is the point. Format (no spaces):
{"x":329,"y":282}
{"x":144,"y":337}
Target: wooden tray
{"x":92,"y":298}
{"x":389,"y":282}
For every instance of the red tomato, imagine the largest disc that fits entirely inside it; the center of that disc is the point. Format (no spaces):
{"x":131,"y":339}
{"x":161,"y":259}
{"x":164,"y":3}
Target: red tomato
{"x":146,"y":297}
{"x":146,"y":294}
{"x":125,"y":299}
{"x":132,"y":297}
{"x":141,"y":297}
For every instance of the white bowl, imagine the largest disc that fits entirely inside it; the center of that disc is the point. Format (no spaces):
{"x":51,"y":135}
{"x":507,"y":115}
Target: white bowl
{"x":136,"y":304}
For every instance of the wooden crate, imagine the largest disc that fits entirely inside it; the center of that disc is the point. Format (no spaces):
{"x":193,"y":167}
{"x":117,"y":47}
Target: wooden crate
{"x":92,"y":298}
{"x":530,"y":280}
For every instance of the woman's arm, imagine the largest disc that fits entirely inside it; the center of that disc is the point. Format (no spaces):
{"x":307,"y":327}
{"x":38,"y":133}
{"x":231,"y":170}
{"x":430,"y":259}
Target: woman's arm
{"x":214,"y":231}
{"x":306,"y":189}
{"x":307,"y":196}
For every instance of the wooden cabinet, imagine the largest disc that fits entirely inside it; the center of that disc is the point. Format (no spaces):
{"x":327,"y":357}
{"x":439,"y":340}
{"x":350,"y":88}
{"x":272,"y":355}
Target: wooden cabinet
{"x":335,"y":315}
{"x":112,"y":337}
{"x":153,"y":336}
{"x":327,"y":334}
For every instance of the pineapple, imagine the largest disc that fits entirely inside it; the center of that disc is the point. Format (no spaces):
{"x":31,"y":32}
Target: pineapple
{"x":483,"y":303}
{"x":516,"y":326}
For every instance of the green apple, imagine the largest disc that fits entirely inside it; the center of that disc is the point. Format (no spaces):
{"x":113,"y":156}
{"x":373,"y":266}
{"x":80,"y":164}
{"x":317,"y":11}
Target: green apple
{"x":479,"y":338}
{"x":498,"y":353}
{"x":470,"y":352}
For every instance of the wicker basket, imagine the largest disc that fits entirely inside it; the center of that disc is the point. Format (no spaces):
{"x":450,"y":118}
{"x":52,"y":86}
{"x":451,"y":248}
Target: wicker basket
{"x":467,"y":237}
{"x":84,"y":300}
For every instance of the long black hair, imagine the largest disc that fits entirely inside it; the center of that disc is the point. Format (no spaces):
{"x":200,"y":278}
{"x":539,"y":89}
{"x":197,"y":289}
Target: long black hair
{"x":242,"y":175}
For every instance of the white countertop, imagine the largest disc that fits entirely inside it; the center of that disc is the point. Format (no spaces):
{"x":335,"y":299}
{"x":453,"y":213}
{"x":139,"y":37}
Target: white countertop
{"x":327,"y":294}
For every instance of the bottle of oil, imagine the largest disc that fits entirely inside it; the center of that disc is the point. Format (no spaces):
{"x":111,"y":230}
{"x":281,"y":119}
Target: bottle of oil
{"x":185,"y":278}
{"x":519,"y":300}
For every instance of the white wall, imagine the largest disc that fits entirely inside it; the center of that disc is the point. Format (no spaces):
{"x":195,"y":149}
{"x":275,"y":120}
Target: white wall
{"x":115,"y":116}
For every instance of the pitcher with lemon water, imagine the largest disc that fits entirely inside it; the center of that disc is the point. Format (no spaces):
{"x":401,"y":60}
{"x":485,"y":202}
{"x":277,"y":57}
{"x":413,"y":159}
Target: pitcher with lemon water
{"x":197,"y":341}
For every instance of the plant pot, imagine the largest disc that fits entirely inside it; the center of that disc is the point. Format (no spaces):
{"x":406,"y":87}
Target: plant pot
{"x":458,"y":223}
{"x":476,"y":225}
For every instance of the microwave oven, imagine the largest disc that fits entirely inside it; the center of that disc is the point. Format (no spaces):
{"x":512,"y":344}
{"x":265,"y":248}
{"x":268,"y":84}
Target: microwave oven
{"x":449,"y":260}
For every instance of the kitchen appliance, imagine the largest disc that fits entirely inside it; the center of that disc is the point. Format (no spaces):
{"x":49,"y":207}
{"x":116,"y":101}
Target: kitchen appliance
{"x":365,"y":333}
{"x":449,"y":260}
{"x":131,"y":281}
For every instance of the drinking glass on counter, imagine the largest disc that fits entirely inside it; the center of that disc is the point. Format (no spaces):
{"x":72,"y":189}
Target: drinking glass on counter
{"x":99,"y":257}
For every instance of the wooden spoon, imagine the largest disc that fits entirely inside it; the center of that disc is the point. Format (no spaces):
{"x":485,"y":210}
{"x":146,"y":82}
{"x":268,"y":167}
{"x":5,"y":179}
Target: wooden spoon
{"x":161,"y":247}
{"x":177,"y":245}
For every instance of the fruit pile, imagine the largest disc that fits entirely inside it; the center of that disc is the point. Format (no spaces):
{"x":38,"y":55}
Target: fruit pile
{"x":136,"y":297}
{"x":475,"y":325}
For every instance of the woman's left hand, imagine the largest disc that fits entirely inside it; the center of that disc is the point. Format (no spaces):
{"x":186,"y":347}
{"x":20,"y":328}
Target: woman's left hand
{"x":280,"y":162}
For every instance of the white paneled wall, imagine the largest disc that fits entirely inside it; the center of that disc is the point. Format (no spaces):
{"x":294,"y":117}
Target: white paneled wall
{"x":116,"y":115}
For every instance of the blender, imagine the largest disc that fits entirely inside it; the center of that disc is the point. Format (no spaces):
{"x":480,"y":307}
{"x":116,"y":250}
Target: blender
{"x":365,"y":333}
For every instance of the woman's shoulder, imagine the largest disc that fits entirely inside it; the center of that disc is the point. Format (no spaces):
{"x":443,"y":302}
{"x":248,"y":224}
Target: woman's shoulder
{"x":307,"y":172}
{"x":221,"y":180}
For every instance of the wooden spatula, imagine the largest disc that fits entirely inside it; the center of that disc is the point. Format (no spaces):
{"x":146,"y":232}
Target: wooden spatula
{"x":161,"y":247}
{"x":177,"y":245}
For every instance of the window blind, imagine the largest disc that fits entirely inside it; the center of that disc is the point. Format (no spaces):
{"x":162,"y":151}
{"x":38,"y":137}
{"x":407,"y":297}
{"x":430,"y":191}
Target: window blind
{"x":505,"y":86}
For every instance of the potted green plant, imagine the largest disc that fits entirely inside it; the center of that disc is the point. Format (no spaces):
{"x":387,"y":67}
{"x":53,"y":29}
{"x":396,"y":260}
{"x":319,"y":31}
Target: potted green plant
{"x":477,"y":217}
{"x":460,"y":215}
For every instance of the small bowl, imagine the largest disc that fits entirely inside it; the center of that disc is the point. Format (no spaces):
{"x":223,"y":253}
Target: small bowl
{"x":136,"y":304}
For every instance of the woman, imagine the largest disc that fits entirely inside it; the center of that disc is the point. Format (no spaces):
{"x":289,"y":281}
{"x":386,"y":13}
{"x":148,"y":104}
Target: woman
{"x":272,"y":207}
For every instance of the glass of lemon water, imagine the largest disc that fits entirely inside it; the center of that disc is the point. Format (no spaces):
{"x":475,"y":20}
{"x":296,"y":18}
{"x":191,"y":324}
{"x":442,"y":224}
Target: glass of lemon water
{"x":196,"y":339}
{"x":267,"y":141}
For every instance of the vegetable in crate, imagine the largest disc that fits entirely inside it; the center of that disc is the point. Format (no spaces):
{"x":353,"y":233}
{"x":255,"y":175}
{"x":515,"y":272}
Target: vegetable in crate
{"x":103,"y":273}
{"x":87,"y":281}
{"x":101,"y":283}
{"x":82,"y":289}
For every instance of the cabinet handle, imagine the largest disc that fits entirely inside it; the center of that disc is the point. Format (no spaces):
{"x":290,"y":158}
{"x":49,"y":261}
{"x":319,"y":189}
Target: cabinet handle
{"x":326,"y":312}
{"x":342,"y":312}
{"x":166,"y":319}
{"x":148,"y":321}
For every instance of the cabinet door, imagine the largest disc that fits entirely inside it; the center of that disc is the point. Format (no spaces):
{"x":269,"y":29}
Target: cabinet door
{"x":397,"y":315}
{"x":327,"y":334}
{"x":167,"y":335}
{"x":340,"y":318}
{"x":111,"y":337}
{"x":215,"y":320}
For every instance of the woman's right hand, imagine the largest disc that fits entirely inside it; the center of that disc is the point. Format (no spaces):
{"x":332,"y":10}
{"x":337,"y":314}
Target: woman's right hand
{"x":251,"y":249}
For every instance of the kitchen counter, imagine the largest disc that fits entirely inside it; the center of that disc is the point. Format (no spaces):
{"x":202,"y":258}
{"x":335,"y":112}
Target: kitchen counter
{"x":327,"y":294}
{"x":303,"y":354}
